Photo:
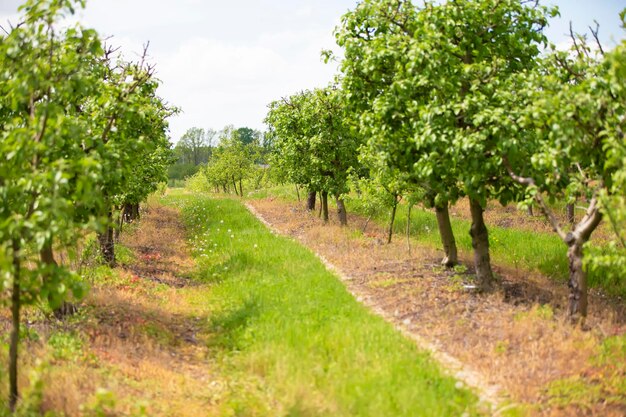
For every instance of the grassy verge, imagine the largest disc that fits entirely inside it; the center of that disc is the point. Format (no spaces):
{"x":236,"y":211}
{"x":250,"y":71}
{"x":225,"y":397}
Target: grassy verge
{"x":521,"y":249}
{"x":292,"y":339}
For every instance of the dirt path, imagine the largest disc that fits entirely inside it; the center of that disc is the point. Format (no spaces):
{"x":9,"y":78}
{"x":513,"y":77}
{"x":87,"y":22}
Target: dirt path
{"x":513,"y":345}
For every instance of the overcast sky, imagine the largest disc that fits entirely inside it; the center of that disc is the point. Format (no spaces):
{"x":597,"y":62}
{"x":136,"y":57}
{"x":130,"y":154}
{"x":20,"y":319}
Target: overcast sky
{"x":222,"y":62}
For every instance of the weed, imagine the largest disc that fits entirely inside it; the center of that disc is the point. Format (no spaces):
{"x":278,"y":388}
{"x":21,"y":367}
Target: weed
{"x":538,"y":312}
{"x":386,"y":283}
{"x":501,"y":347}
{"x":66,"y":346}
{"x":460,"y":269}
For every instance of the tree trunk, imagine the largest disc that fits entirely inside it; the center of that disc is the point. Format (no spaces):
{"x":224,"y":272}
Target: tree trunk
{"x":130,"y":212}
{"x":319,"y":214}
{"x":447,"y":236}
{"x":310,"y":201}
{"x":107,"y":244}
{"x":325,"y":206}
{"x":241,"y":187}
{"x":235,"y":186}
{"x":367,"y":221}
{"x":480,"y":243}
{"x":408,"y":228}
{"x":341,"y":212}
{"x":119,"y":225}
{"x":530,"y":210}
{"x":224,"y":188}
{"x":47,"y":257}
{"x":298,"y":192}
{"x":392,"y":221}
{"x":577,"y":282}
{"x":571,"y":216}
{"x":575,"y":242}
{"x":15,"y":330}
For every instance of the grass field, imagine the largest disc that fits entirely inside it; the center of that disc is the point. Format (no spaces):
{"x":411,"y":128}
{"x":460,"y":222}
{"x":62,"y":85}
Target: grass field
{"x":292,"y":339}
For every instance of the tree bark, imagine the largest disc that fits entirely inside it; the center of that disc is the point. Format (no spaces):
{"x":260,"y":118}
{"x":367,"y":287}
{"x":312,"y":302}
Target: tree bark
{"x":408,"y":228}
{"x":480,"y":243}
{"x":392,"y":221}
{"x":341,"y":212}
{"x":575,"y":242}
{"x":119,"y":225}
{"x":447,"y":236}
{"x":15,"y":330}
{"x":571,"y":216}
{"x":130,"y":212}
{"x":325,"y":206}
{"x":241,"y":187}
{"x":47,"y":257}
{"x":310,"y":201}
{"x":319,"y":213}
{"x":235,"y":186}
{"x":577,"y":281}
{"x":298,"y":192}
{"x":107,"y":244}
{"x":367,"y":221}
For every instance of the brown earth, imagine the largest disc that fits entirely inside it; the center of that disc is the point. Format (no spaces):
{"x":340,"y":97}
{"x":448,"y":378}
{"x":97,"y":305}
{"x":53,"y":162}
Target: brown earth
{"x":142,"y":341}
{"x":517,"y":339}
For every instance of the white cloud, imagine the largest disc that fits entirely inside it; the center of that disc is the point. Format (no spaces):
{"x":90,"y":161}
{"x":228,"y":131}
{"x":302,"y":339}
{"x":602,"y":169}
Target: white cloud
{"x":218,"y":83}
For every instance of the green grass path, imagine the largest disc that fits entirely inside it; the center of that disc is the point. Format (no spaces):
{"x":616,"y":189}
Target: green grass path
{"x":289,"y":338}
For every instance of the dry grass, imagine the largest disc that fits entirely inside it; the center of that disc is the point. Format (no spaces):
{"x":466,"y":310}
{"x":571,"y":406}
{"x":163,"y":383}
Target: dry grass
{"x":517,"y":338}
{"x":138,"y":336}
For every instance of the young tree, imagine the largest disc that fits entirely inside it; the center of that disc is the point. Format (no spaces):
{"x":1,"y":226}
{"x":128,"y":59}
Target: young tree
{"x":48,"y":182}
{"x":67,"y":117}
{"x":247,"y":136}
{"x":133,"y":127}
{"x":194,"y":145}
{"x":574,"y":109}
{"x":315,"y":143}
{"x":431,"y":78}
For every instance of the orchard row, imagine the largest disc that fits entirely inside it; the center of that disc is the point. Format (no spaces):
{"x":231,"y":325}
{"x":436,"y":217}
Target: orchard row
{"x":439,"y":102}
{"x":83,"y":138}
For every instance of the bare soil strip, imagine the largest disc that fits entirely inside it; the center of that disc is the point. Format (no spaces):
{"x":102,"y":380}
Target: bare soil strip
{"x":142,"y":340}
{"x":510,"y":345}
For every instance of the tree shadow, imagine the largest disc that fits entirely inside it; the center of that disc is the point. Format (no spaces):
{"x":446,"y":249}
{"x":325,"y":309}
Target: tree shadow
{"x":228,"y":328}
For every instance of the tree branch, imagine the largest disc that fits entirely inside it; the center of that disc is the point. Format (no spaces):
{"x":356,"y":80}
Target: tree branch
{"x":596,"y":37}
{"x":530,"y":182}
{"x":592,"y":218}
